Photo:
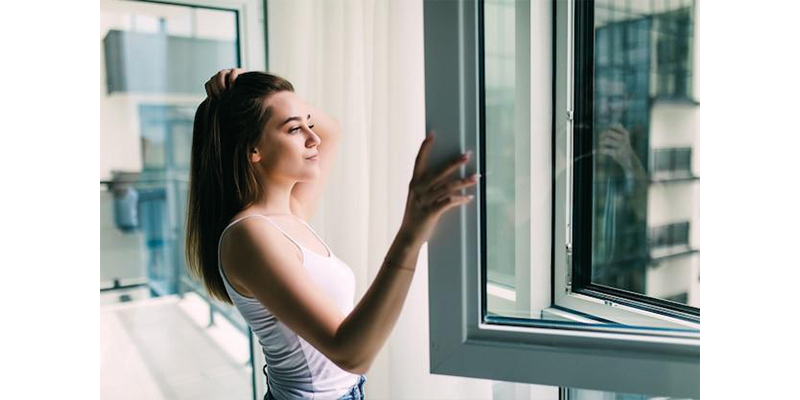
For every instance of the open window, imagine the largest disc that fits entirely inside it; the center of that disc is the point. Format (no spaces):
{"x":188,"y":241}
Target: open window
{"x":578,"y":263}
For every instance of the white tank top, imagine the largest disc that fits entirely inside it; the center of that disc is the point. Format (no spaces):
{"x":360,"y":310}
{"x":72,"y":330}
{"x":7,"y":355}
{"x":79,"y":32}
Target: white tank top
{"x":296,"y":369}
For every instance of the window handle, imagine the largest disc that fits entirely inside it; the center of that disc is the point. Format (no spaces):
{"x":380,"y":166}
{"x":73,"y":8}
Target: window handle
{"x":569,"y":268}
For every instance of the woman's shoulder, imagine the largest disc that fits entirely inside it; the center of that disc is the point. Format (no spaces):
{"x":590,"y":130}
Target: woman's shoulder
{"x":244,"y":213}
{"x":246,"y":222}
{"x":250,"y":216}
{"x":251,"y":228}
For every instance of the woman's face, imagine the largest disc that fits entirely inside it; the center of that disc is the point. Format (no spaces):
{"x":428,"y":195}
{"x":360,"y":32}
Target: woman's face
{"x":287,"y":141}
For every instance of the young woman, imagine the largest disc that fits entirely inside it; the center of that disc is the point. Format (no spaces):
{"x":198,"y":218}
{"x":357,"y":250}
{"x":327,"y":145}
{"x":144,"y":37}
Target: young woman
{"x":260,"y":159}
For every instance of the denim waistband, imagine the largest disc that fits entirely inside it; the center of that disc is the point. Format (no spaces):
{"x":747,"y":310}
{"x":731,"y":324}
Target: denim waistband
{"x":356,"y":391}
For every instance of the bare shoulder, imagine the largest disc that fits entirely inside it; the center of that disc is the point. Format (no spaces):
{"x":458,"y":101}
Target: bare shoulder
{"x":255,"y":231}
{"x":252,"y":235}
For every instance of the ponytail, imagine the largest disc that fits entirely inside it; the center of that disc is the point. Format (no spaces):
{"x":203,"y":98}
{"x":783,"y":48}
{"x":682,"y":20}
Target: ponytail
{"x":222,"y":179}
{"x":205,"y":210}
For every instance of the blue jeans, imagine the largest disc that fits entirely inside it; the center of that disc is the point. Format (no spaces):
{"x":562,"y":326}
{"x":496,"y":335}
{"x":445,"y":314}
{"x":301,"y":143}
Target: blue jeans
{"x":356,"y":391}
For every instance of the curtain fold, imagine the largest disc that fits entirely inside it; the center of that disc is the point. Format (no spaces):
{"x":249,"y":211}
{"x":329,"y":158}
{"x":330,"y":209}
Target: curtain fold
{"x":362,"y":62}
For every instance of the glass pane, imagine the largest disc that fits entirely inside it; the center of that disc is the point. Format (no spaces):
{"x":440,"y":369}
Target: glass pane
{"x":507,"y":157}
{"x":583,"y":394}
{"x":161,"y":335}
{"x":646,"y":135}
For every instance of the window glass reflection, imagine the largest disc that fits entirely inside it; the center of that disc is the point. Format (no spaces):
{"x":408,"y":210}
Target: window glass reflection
{"x":645,"y":178}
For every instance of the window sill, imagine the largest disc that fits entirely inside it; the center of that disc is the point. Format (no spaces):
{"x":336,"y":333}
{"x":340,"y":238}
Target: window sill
{"x":670,"y":179}
{"x":674,"y":100}
{"x":582,"y":308}
{"x":671,"y":252}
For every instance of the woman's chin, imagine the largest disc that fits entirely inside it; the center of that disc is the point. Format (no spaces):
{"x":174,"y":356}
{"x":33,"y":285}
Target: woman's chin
{"x":311,"y":175}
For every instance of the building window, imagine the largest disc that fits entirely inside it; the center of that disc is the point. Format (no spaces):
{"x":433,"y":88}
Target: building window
{"x":670,"y":235}
{"x":673,"y":31}
{"x":672,"y":163}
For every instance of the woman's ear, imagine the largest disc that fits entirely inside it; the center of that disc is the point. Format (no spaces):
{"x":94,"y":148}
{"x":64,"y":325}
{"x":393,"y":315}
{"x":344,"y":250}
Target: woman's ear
{"x":255,"y":156}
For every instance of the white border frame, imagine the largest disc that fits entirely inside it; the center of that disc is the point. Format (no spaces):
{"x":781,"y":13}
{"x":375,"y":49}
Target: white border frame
{"x":461,"y":344}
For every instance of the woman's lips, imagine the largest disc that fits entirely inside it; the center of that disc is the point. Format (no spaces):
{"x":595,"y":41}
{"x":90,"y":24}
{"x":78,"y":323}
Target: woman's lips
{"x":315,"y":158}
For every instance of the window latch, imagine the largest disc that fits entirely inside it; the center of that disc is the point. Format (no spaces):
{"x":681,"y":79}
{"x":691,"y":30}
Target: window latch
{"x":569,"y":268}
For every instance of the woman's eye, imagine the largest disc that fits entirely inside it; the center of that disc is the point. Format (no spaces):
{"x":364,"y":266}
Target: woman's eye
{"x":297,"y":128}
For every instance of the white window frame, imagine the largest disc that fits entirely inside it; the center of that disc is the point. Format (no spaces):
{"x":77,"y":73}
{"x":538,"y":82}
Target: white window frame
{"x":251,"y":27}
{"x":634,"y":360}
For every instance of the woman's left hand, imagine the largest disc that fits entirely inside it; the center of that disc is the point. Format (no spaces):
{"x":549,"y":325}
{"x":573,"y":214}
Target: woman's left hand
{"x":615,"y":141}
{"x":221,"y":81}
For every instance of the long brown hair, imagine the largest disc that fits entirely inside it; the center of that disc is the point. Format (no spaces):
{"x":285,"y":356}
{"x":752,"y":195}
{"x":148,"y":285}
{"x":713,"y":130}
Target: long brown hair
{"x":222,"y":180}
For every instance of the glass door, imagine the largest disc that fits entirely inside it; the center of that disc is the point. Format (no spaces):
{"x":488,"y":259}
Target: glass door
{"x":162,"y":336}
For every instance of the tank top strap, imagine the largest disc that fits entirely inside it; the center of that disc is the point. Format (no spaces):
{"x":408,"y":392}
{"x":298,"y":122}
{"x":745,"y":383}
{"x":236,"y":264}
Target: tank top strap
{"x":262,"y":216}
{"x":300,"y":246}
{"x":282,"y":231}
{"x":330,"y":253}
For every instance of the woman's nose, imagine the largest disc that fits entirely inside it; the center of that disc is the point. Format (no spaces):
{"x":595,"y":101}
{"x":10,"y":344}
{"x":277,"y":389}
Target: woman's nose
{"x":314,"y":137}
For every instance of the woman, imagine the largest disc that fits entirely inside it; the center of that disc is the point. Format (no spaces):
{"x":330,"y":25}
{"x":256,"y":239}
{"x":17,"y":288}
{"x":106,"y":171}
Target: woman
{"x":260,"y":158}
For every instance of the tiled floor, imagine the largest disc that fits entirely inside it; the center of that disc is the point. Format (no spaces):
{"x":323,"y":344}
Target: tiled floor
{"x":161,"y":348}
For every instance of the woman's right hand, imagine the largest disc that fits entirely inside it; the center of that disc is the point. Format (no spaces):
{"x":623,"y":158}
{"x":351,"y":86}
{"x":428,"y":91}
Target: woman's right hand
{"x":431,"y":194}
{"x":221,"y":81}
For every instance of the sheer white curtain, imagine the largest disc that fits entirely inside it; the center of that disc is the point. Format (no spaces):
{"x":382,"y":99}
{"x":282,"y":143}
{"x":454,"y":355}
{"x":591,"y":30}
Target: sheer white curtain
{"x":362,"y":62}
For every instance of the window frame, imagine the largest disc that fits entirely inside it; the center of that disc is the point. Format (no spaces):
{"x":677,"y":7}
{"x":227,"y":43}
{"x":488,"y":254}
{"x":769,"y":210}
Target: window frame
{"x":250,"y":25}
{"x":546,"y":352}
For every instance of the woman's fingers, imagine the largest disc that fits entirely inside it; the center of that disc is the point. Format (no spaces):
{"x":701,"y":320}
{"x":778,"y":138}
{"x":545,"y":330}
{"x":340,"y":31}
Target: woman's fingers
{"x":421,"y":163}
{"x":455,"y":164}
{"x":611,"y":134}
{"x":428,"y":201}
{"x":232,"y":76}
{"x":609,"y":141}
{"x":428,"y":188}
{"x":219,"y":81}
{"x":619,"y":132}
{"x":447,"y":202}
{"x":427,"y":181}
{"x":447,"y":189}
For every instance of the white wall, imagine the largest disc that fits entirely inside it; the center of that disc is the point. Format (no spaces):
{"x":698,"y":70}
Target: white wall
{"x":121,"y":254}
